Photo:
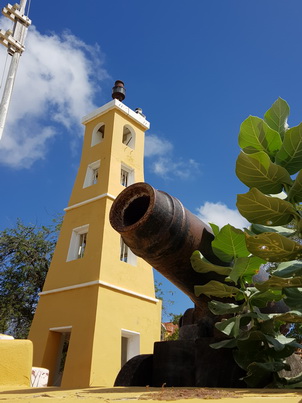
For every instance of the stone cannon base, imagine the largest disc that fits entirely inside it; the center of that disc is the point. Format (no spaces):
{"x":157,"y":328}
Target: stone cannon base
{"x":179,"y":363}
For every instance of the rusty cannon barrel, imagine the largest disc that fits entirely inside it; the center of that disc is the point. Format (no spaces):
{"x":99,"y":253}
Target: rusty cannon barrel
{"x":158,"y":228}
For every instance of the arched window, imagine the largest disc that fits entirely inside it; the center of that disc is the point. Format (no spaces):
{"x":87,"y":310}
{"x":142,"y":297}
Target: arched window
{"x":98,"y":134}
{"x":129,"y":136}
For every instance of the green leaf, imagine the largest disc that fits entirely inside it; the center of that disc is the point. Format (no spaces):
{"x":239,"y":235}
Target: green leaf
{"x":250,"y":349}
{"x":255,"y":135}
{"x":293,"y":381}
{"x":215,"y":228}
{"x":290,"y":154}
{"x":273,"y":247}
{"x":288,"y":350}
{"x":202,"y":265}
{"x":216,"y":289}
{"x":222,"y":308}
{"x":276,"y":117}
{"x":295,"y":192}
{"x":229,"y":244}
{"x":287,"y":269}
{"x":293,"y":298}
{"x":230,"y":327}
{"x":257,"y":170}
{"x":279,"y":341}
{"x":259,"y":374}
{"x":288,"y":317}
{"x":267,"y":210}
{"x":228,"y":343}
{"x":278,"y":283}
{"x":261,"y":299}
{"x":245,"y":268}
{"x":259,"y":229}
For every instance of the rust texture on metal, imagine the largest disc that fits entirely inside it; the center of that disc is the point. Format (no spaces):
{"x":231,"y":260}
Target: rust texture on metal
{"x":158,"y":228}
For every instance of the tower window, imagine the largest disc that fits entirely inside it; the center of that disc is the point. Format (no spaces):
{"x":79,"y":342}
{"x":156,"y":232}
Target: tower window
{"x":92,"y":174}
{"x":128,"y":136}
{"x":78,"y":243}
{"x":82,"y":245}
{"x":126,"y":254}
{"x":95,"y":175}
{"x":124,"y":177}
{"x":127,"y":176}
{"x":98,"y":134}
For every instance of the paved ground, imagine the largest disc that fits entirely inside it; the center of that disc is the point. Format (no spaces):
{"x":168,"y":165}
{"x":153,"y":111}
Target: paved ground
{"x":119,"y":395}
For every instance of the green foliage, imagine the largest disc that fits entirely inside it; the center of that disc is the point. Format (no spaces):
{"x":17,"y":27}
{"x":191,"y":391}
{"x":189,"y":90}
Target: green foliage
{"x":271,"y":154}
{"x":25,"y":255}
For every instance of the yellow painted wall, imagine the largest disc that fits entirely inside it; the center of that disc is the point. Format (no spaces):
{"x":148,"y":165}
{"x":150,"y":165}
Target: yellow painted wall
{"x":15,"y":362}
{"x":96,"y":313}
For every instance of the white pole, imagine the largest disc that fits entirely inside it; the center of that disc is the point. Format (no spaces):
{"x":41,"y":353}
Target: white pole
{"x":18,"y":34}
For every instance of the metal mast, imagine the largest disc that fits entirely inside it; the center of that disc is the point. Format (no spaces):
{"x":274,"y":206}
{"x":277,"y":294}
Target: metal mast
{"x":13,"y":40}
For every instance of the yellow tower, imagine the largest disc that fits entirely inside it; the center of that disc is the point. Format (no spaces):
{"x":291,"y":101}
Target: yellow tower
{"x":97,"y":308}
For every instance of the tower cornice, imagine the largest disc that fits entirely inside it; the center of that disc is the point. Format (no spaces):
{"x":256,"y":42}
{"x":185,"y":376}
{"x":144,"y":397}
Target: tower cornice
{"x":116,"y":104}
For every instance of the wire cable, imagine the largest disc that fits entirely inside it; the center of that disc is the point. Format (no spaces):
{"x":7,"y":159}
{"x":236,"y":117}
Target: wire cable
{"x":28,"y":7}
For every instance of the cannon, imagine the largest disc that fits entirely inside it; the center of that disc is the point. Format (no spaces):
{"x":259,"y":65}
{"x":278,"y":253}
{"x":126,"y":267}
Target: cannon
{"x":157,"y":228}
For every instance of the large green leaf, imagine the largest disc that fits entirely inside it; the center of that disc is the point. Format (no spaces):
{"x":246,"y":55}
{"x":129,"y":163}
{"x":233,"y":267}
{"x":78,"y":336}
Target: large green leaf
{"x":259,"y":374}
{"x":202,"y":265}
{"x":278,"y":283}
{"x":259,"y":229}
{"x":245,"y":268}
{"x":267,"y":210}
{"x":261,"y":299}
{"x":288,"y":317}
{"x":216,"y":289}
{"x":255,"y":135}
{"x":288,"y":269}
{"x":257,"y":170}
{"x":276,"y":117}
{"x":250,"y":348}
{"x":295,"y":192}
{"x":215,"y":228}
{"x":223,"y":308}
{"x":230,"y":327}
{"x":290,"y":154}
{"x":279,"y":341}
{"x":293,"y":298}
{"x":229,"y":244}
{"x":273,"y":247}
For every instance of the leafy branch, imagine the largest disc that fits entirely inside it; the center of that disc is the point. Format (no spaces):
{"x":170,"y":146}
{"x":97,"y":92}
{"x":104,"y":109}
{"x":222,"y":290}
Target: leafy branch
{"x":270,"y":164}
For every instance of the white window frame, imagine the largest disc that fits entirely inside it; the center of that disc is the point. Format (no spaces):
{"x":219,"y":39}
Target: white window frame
{"x":126,"y":254}
{"x":130,"y":176}
{"x":97,"y":134}
{"x":90,"y":174}
{"x":128,"y":137}
{"x":133,"y":344}
{"x":74,"y":246}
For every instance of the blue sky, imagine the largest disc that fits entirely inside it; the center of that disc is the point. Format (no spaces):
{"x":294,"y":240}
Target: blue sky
{"x":196,"y":68}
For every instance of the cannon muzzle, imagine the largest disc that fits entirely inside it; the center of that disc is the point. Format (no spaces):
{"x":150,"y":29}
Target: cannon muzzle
{"x":158,"y":228}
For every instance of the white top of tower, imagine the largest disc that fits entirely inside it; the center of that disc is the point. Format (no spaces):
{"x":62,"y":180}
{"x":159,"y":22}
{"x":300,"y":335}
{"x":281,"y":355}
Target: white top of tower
{"x":122,"y":107}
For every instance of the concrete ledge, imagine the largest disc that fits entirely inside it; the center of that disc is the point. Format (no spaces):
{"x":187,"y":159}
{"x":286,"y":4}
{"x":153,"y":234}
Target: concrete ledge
{"x":15,"y":362}
{"x":143,"y":394}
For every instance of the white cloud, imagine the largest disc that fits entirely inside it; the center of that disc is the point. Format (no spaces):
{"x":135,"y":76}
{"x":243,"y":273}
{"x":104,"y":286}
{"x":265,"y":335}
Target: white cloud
{"x":220,"y":214}
{"x":163,"y":163}
{"x":168,"y":168}
{"x":155,"y":146}
{"x":57,"y":79}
